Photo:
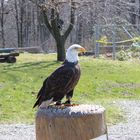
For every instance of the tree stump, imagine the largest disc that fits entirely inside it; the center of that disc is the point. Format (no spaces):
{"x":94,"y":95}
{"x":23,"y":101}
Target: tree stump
{"x":81,"y":122}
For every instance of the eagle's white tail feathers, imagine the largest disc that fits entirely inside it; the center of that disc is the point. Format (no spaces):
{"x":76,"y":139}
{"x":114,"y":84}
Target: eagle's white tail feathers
{"x":45,"y":104}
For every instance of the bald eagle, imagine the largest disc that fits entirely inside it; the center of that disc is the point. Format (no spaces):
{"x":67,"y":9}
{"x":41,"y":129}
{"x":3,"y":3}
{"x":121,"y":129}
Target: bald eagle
{"x":62,"y":81}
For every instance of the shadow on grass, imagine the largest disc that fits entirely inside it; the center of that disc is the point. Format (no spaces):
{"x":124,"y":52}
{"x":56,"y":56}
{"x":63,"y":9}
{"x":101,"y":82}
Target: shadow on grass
{"x":30,"y":65}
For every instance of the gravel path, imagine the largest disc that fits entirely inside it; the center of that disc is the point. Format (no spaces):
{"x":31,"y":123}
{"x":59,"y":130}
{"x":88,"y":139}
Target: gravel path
{"x":130,"y":130}
{"x":17,"y":132}
{"x":122,"y":131}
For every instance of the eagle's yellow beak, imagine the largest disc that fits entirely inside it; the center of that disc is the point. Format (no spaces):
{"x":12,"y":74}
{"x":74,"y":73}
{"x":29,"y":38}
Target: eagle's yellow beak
{"x":82,"y":50}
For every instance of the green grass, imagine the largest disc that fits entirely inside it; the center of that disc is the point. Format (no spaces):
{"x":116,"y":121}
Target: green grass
{"x":102,"y":82}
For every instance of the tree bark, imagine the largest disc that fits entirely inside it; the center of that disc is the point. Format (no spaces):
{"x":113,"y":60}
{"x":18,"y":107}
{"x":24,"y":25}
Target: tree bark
{"x":18,"y":23}
{"x":22,"y":12}
{"x":83,"y":122}
{"x":2,"y":23}
{"x":60,"y":44}
{"x":133,"y":13}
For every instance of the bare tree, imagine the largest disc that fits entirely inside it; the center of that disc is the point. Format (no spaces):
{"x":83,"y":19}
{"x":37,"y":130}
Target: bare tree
{"x":51,"y":23}
{"x":51,"y":12}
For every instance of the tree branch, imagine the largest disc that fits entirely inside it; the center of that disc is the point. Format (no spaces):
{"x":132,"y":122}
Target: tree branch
{"x":43,"y":8}
{"x":47,"y":22}
{"x":72,"y":20}
{"x":54,"y":24}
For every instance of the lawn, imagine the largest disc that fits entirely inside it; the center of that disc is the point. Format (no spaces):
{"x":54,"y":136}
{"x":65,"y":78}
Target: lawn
{"x":102,"y":82}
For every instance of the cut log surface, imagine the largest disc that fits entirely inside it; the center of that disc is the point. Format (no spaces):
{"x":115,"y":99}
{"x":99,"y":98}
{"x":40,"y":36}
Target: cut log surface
{"x":81,"y":122}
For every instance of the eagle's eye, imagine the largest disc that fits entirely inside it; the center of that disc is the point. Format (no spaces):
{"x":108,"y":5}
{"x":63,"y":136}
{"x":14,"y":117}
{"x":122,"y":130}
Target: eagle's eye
{"x":76,"y":48}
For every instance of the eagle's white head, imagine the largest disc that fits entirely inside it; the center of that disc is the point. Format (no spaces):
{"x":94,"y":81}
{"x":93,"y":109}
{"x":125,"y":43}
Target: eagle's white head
{"x":72,"y":52}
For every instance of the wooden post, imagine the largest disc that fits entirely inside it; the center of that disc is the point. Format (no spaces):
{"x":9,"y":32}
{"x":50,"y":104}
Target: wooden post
{"x":97,"y":44}
{"x":81,"y":122}
{"x":113,"y":40}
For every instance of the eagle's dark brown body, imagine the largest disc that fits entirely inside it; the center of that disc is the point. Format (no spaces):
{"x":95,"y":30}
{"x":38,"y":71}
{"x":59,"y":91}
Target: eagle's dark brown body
{"x":60,"y":83}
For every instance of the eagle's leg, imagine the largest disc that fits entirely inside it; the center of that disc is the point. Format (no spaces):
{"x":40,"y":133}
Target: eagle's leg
{"x":68,"y":97}
{"x":46,"y":103}
{"x":58,"y":102}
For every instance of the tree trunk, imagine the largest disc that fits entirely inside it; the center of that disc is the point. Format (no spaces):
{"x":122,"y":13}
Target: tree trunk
{"x":22,"y":12}
{"x":60,"y":50}
{"x":139,"y":12}
{"x":19,"y":22}
{"x":133,"y":13}
{"x":2,"y":24}
{"x":82,"y":122}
